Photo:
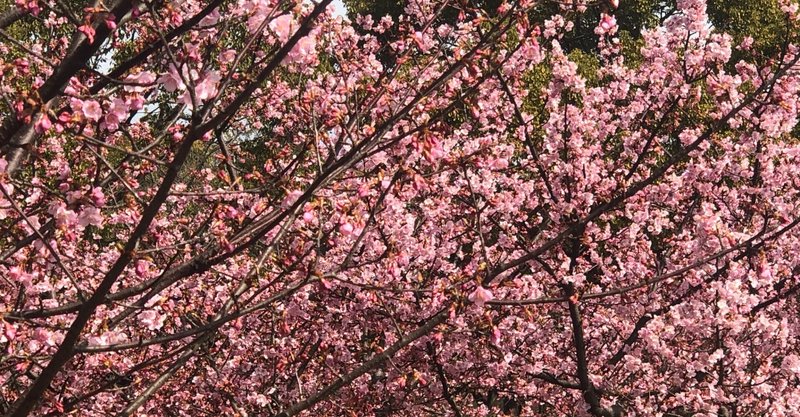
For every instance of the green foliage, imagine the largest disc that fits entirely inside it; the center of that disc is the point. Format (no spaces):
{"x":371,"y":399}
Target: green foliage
{"x":631,"y":48}
{"x":379,"y":8}
{"x":762,"y":20}
{"x":537,"y":79}
{"x":588,"y":66}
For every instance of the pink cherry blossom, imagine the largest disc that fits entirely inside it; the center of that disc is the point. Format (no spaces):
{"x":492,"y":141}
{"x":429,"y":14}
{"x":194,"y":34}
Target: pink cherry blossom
{"x":89,"y":31}
{"x":481,"y":296}
{"x":90,"y":216}
{"x":152,"y":319}
{"x":206,"y":89}
{"x":64,"y":217}
{"x":227,"y":56}
{"x":448,"y":211}
{"x":30,"y":5}
{"x":608,"y":25}
{"x":283,"y":27}
{"x":92,"y":110}
{"x":791,"y":363}
{"x":172,"y":81}
{"x":346,"y":228}
{"x":43,"y":124}
{"x":291,"y":198}
{"x":141,"y":81}
{"x":303,"y":51}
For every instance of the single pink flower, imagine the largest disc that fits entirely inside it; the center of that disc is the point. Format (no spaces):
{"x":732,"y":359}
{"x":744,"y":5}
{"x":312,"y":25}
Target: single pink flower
{"x":43,"y":124}
{"x":138,"y":83}
{"x":481,"y":296}
{"x":608,"y":25}
{"x":142,"y":268}
{"x":172,"y":80}
{"x":346,"y":229}
{"x":9,"y":331}
{"x":791,"y":363}
{"x":207,"y":88}
{"x":497,"y":336}
{"x":291,"y":198}
{"x":64,"y":217}
{"x":92,"y":110}
{"x":90,"y":216}
{"x":88,"y":30}
{"x":152,"y":319}
{"x":283,"y":26}
{"x":303,"y":51}
{"x":227,"y":56}
{"x":110,"y":23}
{"x":98,"y":197}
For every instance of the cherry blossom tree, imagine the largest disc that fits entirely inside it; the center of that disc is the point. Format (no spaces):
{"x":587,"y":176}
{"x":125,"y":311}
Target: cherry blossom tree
{"x":260,"y":207}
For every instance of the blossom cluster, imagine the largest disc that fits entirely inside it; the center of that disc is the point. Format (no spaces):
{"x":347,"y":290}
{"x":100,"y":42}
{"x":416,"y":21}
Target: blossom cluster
{"x":260,"y":207}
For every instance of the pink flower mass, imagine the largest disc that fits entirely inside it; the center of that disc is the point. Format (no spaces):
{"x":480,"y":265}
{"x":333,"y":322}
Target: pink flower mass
{"x":463,"y":208}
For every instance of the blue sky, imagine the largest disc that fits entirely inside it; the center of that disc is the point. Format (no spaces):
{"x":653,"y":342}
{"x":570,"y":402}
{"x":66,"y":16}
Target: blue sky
{"x":339,"y":7}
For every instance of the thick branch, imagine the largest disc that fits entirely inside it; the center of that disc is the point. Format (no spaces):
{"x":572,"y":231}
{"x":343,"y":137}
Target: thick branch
{"x":590,"y":394}
{"x":11,"y":16}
